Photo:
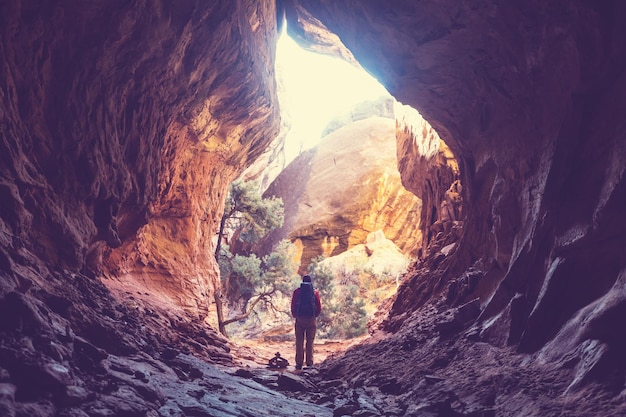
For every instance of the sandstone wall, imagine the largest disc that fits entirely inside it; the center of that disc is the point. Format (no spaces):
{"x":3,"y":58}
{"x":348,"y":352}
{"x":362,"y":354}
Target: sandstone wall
{"x":122,"y":127}
{"x":526,"y":94}
{"x":122,"y":123}
{"x":344,"y":189}
{"x":428,"y":169}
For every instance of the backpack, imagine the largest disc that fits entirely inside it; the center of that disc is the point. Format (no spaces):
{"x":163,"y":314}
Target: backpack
{"x":306,"y":306}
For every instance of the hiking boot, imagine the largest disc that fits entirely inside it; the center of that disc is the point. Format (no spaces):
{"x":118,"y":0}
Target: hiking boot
{"x":298,"y":367}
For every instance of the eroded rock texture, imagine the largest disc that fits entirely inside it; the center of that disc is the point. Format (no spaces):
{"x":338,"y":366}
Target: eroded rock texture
{"x":527,"y":96}
{"x":429,"y":170}
{"x":121,"y":127}
{"x":122,"y":124}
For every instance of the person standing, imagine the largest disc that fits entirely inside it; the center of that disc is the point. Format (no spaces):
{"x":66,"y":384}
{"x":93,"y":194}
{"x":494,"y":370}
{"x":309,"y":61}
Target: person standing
{"x":305,"y":307}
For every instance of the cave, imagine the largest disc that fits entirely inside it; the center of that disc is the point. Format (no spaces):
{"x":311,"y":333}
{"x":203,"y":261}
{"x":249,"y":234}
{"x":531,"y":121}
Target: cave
{"x":123,"y":124}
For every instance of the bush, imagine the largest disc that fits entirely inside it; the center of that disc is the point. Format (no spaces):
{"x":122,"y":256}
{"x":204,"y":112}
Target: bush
{"x":351,"y":317}
{"x":343,"y":311}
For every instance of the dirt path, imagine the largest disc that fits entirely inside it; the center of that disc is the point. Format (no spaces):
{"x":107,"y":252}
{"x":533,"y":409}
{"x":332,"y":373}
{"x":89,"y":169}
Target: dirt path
{"x":256,"y":353}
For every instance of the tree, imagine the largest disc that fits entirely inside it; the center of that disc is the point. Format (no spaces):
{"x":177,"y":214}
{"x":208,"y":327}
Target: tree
{"x":351,"y":308}
{"x":344,"y":312}
{"x":248,"y":216}
{"x":247,"y":212}
{"x":259,"y":281}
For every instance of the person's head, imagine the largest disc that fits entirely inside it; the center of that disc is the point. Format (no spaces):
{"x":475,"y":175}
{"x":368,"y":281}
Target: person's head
{"x":306,"y":278}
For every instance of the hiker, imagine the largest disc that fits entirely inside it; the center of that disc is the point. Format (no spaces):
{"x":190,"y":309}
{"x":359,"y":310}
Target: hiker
{"x":305,"y":307}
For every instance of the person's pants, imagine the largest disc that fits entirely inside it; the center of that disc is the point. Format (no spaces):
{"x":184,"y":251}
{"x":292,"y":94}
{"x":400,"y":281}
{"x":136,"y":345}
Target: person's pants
{"x":305,"y":331}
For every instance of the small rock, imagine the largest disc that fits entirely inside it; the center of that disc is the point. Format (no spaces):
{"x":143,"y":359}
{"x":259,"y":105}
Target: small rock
{"x":75,"y":395}
{"x":181,"y":375}
{"x":391,"y":387}
{"x":7,"y":400}
{"x":169,"y":354}
{"x":293,"y":383}
{"x":57,"y":351}
{"x":195,"y":373}
{"x":122,"y":367}
{"x":58,"y":373}
{"x":433,"y":379}
{"x":325,"y":399}
{"x":82,"y":346}
{"x":196,"y":393}
{"x":346,"y":409}
{"x":26,"y":344}
{"x":140,"y":375}
{"x":330,"y":384}
{"x":244,"y":373}
{"x":265,"y":378}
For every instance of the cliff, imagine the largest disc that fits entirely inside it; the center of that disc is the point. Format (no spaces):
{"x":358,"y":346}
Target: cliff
{"x":344,"y":189}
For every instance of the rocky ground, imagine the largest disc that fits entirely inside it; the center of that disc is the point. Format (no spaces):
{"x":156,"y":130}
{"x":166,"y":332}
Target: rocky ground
{"x":257,"y":353}
{"x":70,"y":348}
{"x":85,"y":352}
{"x":427,"y":370}
{"x":434,"y":366}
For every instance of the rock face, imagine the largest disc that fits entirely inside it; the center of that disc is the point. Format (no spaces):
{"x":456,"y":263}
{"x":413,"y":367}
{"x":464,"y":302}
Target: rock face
{"x":526,"y":96}
{"x":123,"y":127}
{"x":377,"y":255}
{"x":383,"y":106}
{"x":344,"y":189}
{"x":428,"y":169}
{"x":122,"y":124}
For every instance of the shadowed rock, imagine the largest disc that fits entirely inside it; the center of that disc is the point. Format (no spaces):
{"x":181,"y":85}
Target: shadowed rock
{"x":122,"y":125}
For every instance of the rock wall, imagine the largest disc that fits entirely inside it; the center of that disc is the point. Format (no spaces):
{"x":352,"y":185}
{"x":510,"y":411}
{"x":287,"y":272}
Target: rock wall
{"x":122,"y":127}
{"x":111,"y":112}
{"x":526,"y":94}
{"x":344,"y":189}
{"x":429,"y":169}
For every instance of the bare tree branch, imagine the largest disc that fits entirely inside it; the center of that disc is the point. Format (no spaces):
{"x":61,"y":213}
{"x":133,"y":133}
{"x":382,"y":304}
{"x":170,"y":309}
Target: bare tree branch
{"x":266,"y":297}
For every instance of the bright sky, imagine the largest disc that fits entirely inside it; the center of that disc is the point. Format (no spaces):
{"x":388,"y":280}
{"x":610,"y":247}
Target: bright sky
{"x":318,"y":88}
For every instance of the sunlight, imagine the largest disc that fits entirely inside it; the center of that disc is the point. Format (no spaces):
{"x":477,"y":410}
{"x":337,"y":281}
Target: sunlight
{"x":315,"y":89}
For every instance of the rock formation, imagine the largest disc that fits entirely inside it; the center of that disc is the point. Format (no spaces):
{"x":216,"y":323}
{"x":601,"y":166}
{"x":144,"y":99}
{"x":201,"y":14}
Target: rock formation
{"x":429,"y":169}
{"x":377,"y":255}
{"x":344,"y":189}
{"x":525,"y":96}
{"x":121,"y":135}
{"x":383,"y":106}
{"x":121,"y":128}
{"x":122,"y":124}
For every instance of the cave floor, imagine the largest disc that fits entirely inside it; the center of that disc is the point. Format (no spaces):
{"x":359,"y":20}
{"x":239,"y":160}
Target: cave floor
{"x":256,"y":353}
{"x":95,"y":350}
{"x":421,"y":370}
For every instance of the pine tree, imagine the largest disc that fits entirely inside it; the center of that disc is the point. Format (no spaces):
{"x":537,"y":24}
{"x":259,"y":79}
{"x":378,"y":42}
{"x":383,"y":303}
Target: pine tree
{"x":248,"y":217}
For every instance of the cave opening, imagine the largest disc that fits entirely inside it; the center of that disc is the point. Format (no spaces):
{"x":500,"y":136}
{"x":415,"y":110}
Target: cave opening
{"x":123,"y":125}
{"x":314,"y":89}
{"x":356,"y":230}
